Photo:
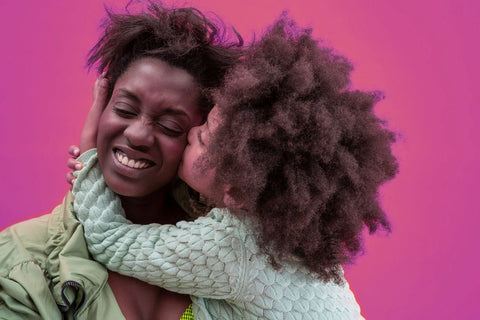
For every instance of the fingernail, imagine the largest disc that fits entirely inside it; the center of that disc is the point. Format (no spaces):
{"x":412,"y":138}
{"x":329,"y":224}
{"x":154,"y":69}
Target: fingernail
{"x":78,"y":166}
{"x":73,"y":181}
{"x":76,"y":152}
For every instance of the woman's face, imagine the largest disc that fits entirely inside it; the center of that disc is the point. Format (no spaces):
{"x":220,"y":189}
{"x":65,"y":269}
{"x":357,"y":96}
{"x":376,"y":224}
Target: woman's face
{"x":191,"y":169}
{"x":143,"y":131}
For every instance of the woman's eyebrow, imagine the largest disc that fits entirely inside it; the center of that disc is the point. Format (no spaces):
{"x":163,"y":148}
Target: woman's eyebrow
{"x":175,"y":111}
{"x":128,"y":94}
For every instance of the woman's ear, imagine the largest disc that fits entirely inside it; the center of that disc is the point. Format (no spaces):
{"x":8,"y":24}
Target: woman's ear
{"x":229,"y":201}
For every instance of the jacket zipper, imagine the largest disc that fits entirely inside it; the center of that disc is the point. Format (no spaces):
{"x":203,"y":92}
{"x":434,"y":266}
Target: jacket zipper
{"x":69,"y":306}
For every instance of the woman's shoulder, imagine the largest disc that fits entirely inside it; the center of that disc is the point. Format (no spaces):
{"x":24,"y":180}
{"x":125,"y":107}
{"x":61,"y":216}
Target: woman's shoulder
{"x":35,"y":239}
{"x":37,"y":230}
{"x":23,"y":235}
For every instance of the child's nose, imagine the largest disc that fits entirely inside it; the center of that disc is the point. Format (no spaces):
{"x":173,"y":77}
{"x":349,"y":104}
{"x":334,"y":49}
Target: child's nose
{"x":192,"y":134}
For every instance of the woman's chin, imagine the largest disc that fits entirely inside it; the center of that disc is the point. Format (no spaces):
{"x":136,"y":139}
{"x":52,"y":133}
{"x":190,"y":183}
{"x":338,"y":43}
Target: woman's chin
{"x":129,"y":190}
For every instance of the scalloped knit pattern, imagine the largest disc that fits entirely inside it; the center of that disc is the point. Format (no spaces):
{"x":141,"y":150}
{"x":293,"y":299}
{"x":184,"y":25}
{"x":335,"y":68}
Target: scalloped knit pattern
{"x":214,"y":259}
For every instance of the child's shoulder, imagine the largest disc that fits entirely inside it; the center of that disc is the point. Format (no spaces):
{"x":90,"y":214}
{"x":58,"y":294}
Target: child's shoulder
{"x":226,"y":216}
{"x":222,"y":219}
{"x":221,"y":216}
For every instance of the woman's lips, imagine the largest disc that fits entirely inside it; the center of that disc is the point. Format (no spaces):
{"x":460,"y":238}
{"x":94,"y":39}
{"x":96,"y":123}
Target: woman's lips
{"x":130,"y":162}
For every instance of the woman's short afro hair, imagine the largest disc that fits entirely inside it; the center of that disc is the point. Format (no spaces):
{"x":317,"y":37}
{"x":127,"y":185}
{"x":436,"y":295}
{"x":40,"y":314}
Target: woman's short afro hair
{"x":303,"y":152}
{"x":183,"y":37}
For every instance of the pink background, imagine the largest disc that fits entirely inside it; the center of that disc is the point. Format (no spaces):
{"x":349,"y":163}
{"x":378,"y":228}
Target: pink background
{"x":422,"y":54}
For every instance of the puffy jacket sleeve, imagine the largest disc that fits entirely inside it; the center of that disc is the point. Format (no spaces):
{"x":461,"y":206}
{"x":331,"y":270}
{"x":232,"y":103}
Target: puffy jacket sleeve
{"x":202,"y":257}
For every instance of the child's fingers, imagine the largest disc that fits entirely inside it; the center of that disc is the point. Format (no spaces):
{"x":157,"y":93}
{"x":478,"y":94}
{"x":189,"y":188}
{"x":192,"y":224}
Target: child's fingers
{"x":70,"y":179}
{"x":74,"y":165}
{"x":74,"y":151}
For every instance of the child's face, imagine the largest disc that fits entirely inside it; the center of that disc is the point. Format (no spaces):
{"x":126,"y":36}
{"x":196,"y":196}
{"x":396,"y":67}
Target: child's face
{"x":191,"y":170}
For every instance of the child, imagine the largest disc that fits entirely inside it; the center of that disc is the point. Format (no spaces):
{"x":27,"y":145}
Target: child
{"x":292,"y":160}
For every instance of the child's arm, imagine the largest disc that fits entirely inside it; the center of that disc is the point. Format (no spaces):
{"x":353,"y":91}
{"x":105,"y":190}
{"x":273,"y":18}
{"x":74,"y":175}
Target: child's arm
{"x":202,"y":258}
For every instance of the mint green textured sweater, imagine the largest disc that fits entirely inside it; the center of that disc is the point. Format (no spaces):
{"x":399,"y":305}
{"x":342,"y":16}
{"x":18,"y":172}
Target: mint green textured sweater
{"x":214,"y":259}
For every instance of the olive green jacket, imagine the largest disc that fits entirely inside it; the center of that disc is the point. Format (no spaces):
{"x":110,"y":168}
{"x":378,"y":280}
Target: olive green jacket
{"x":47,"y":273}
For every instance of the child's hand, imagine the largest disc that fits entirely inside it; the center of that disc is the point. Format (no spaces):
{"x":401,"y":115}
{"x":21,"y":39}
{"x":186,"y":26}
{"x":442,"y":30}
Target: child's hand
{"x":88,"y":137}
{"x":73,"y":164}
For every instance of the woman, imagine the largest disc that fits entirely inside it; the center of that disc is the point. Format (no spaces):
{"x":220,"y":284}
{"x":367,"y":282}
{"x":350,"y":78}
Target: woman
{"x":158,"y":63}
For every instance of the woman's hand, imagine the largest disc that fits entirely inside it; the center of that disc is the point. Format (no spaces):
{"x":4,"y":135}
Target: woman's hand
{"x":88,"y":137}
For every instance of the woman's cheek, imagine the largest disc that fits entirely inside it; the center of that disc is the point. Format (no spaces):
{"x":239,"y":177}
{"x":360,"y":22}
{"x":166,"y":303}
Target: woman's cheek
{"x":174,"y":149}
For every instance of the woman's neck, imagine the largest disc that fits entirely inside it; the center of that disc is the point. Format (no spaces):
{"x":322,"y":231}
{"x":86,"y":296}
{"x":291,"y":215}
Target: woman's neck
{"x":154,"y":208}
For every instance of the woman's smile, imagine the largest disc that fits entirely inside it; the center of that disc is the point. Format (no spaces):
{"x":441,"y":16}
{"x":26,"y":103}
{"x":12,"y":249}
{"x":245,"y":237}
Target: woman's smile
{"x":131,"y":166}
{"x":131,"y":161}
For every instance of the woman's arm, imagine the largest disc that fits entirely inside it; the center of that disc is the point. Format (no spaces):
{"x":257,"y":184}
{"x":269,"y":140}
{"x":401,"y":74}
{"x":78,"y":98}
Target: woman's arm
{"x":88,"y":136}
{"x":202,"y":257}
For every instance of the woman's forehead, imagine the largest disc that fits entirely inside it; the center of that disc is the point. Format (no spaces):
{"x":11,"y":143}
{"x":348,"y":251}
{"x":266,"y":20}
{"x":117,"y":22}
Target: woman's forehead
{"x":154,"y":83}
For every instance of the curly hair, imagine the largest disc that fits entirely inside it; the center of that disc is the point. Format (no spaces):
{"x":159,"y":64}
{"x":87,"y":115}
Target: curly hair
{"x":303,"y":152}
{"x":183,"y":37}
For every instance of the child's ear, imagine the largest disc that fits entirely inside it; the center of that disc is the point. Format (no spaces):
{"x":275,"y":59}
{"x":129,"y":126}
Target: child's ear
{"x":229,"y":201}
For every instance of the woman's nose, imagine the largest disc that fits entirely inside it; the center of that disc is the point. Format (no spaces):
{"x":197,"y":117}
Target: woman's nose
{"x":139,"y":135}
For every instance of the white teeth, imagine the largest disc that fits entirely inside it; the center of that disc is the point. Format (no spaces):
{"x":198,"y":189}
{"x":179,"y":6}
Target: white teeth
{"x":123,"y":159}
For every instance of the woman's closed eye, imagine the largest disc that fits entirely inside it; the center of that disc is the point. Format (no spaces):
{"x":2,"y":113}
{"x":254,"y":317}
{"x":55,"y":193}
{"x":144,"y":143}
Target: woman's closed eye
{"x":124,"y":112}
{"x":170,"y":128}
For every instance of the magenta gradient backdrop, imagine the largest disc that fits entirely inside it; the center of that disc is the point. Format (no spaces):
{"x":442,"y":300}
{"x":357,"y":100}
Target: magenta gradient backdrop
{"x":422,"y":54}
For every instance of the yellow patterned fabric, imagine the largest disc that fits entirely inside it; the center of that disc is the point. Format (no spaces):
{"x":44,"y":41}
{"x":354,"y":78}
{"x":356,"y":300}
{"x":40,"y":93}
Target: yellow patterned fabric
{"x":188,"y":314}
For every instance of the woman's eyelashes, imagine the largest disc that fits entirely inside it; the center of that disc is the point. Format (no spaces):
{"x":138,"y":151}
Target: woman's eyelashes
{"x":124,"y":112}
{"x":165,"y":125}
{"x":170,"y":128}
